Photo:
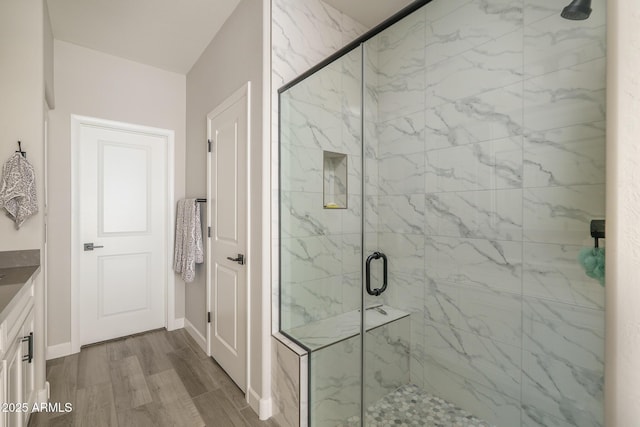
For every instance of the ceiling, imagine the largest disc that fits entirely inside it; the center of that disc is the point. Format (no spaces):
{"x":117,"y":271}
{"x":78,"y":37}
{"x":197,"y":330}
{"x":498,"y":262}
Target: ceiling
{"x":161,"y":33}
{"x":169,"y":34}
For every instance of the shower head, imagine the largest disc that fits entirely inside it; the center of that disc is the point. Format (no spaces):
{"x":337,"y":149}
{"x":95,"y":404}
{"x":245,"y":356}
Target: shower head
{"x":577,"y":10}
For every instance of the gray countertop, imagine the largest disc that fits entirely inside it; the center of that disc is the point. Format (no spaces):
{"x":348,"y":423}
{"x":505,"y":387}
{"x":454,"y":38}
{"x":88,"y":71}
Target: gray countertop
{"x":12,"y":280}
{"x":14,"y":274}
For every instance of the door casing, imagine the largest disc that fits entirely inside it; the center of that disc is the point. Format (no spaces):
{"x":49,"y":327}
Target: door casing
{"x":77,"y":121}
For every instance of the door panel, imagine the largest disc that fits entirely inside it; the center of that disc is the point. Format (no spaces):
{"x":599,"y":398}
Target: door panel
{"x":226,"y":167}
{"x":122,"y":181}
{"x":226,"y":309}
{"x":119,"y":275}
{"x":124,"y":177}
{"x":227,"y":216}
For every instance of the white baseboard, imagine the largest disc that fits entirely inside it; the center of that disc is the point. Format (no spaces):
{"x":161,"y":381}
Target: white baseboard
{"x":174,"y":324}
{"x":262,"y":407}
{"x":195,"y":334}
{"x":59,"y":350}
{"x":44,"y":394}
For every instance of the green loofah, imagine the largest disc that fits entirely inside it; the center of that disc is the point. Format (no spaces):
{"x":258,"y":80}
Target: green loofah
{"x":592,"y":259}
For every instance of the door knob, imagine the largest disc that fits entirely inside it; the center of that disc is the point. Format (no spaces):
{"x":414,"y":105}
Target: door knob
{"x":90,"y":247}
{"x":239,"y":260}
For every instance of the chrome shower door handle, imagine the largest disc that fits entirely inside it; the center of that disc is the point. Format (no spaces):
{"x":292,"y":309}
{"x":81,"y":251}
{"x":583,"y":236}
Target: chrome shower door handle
{"x":374,"y":256}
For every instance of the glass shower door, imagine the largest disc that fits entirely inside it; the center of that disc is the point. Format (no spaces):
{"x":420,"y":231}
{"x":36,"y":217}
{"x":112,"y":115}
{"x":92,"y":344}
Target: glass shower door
{"x":321,"y":234}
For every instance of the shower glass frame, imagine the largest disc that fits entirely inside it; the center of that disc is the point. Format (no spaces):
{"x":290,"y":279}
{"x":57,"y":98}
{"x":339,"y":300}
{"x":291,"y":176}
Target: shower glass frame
{"x":358,"y":44}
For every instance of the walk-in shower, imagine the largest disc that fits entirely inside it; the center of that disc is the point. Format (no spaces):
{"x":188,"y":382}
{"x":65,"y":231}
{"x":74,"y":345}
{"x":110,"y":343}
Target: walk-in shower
{"x":437,"y":182}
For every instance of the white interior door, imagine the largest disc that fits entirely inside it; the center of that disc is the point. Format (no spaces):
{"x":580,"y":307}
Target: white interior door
{"x":122,"y":193}
{"x":227,"y":262}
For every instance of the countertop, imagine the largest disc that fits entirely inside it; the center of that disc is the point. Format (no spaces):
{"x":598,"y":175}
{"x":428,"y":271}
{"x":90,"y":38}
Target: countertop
{"x":11,"y":281}
{"x":16,"y":269}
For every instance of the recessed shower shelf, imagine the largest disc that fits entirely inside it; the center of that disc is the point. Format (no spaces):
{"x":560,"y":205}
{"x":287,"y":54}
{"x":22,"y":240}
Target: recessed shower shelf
{"x":334,"y":180}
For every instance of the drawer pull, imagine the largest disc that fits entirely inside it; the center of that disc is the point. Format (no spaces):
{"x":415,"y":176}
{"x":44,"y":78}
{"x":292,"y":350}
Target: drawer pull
{"x":29,"y":339}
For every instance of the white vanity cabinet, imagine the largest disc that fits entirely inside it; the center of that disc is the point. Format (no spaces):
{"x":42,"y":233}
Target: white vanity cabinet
{"x":17,"y":390}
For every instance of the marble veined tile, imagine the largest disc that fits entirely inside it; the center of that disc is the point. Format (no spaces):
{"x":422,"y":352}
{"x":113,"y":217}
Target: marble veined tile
{"x":401,"y":174}
{"x":286,"y":385}
{"x":489,"y":66}
{"x":562,"y":390}
{"x":566,"y":97}
{"x":387,"y":359}
{"x":470,"y":25}
{"x":351,"y":80}
{"x":351,"y":29}
{"x":563,"y":362}
{"x":486,"y":403}
{"x":322,"y":89}
{"x":351,"y":291}
{"x":303,"y":215}
{"x":407,"y":291}
{"x":482,"y":360}
{"x":534,"y":417}
{"x":351,"y":253}
{"x":475,"y":214}
{"x":311,"y":258}
{"x":562,"y":215}
{"x":554,"y":47}
{"x":487,"y":116}
{"x":402,"y":135}
{"x":313,"y":126}
{"x":570,"y":335}
{"x":304,"y":33}
{"x":401,"y":67}
{"x":486,"y":264}
{"x":402,"y":214}
{"x":335,"y":383}
{"x":303,"y":301}
{"x":482,"y":166}
{"x":552,"y":272}
{"x":300,"y":169}
{"x":561,"y":157}
{"x":437,"y":9}
{"x":486,"y":313}
{"x":405,"y":252}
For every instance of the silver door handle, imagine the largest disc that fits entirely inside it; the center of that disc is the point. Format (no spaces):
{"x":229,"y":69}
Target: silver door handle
{"x":90,"y":247}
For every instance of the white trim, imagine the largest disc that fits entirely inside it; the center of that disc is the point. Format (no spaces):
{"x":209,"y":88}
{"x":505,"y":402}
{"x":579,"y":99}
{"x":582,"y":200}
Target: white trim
{"x":266,"y":406}
{"x":262,"y":407}
{"x":244,"y":91}
{"x":60,"y":350}
{"x":196,"y":335}
{"x":178,"y":324}
{"x":77,"y":121}
{"x":42,"y":395}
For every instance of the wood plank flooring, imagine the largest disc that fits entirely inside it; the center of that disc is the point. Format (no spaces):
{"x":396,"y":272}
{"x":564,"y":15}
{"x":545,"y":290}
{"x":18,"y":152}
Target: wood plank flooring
{"x":155,"y":379}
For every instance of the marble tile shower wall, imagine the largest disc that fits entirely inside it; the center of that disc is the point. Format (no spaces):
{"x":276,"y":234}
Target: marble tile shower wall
{"x":491,"y":163}
{"x":321,"y":247}
{"x":304,"y":33}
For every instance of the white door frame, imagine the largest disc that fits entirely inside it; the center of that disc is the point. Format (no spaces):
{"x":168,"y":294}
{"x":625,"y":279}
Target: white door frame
{"x":171,"y":322}
{"x":245,"y":90}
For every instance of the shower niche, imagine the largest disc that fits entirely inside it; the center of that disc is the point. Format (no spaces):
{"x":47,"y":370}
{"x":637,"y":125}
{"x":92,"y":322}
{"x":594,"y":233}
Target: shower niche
{"x":334,"y":173}
{"x":454,"y":158}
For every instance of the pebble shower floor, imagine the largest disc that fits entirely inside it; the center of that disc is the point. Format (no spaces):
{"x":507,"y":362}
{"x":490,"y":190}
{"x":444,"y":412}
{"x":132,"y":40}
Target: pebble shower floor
{"x":411,"y":406}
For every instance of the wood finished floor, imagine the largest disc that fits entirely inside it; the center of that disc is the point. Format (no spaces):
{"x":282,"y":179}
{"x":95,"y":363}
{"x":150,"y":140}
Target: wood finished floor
{"x":155,"y":379}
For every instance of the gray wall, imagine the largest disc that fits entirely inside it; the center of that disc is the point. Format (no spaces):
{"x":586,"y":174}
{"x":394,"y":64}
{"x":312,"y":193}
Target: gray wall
{"x":138,"y":94}
{"x":232,"y":58}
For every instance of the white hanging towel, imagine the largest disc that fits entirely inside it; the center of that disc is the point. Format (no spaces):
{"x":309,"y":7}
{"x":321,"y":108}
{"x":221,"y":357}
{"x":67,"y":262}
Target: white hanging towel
{"x":18,"y":189}
{"x":188,"y":245}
